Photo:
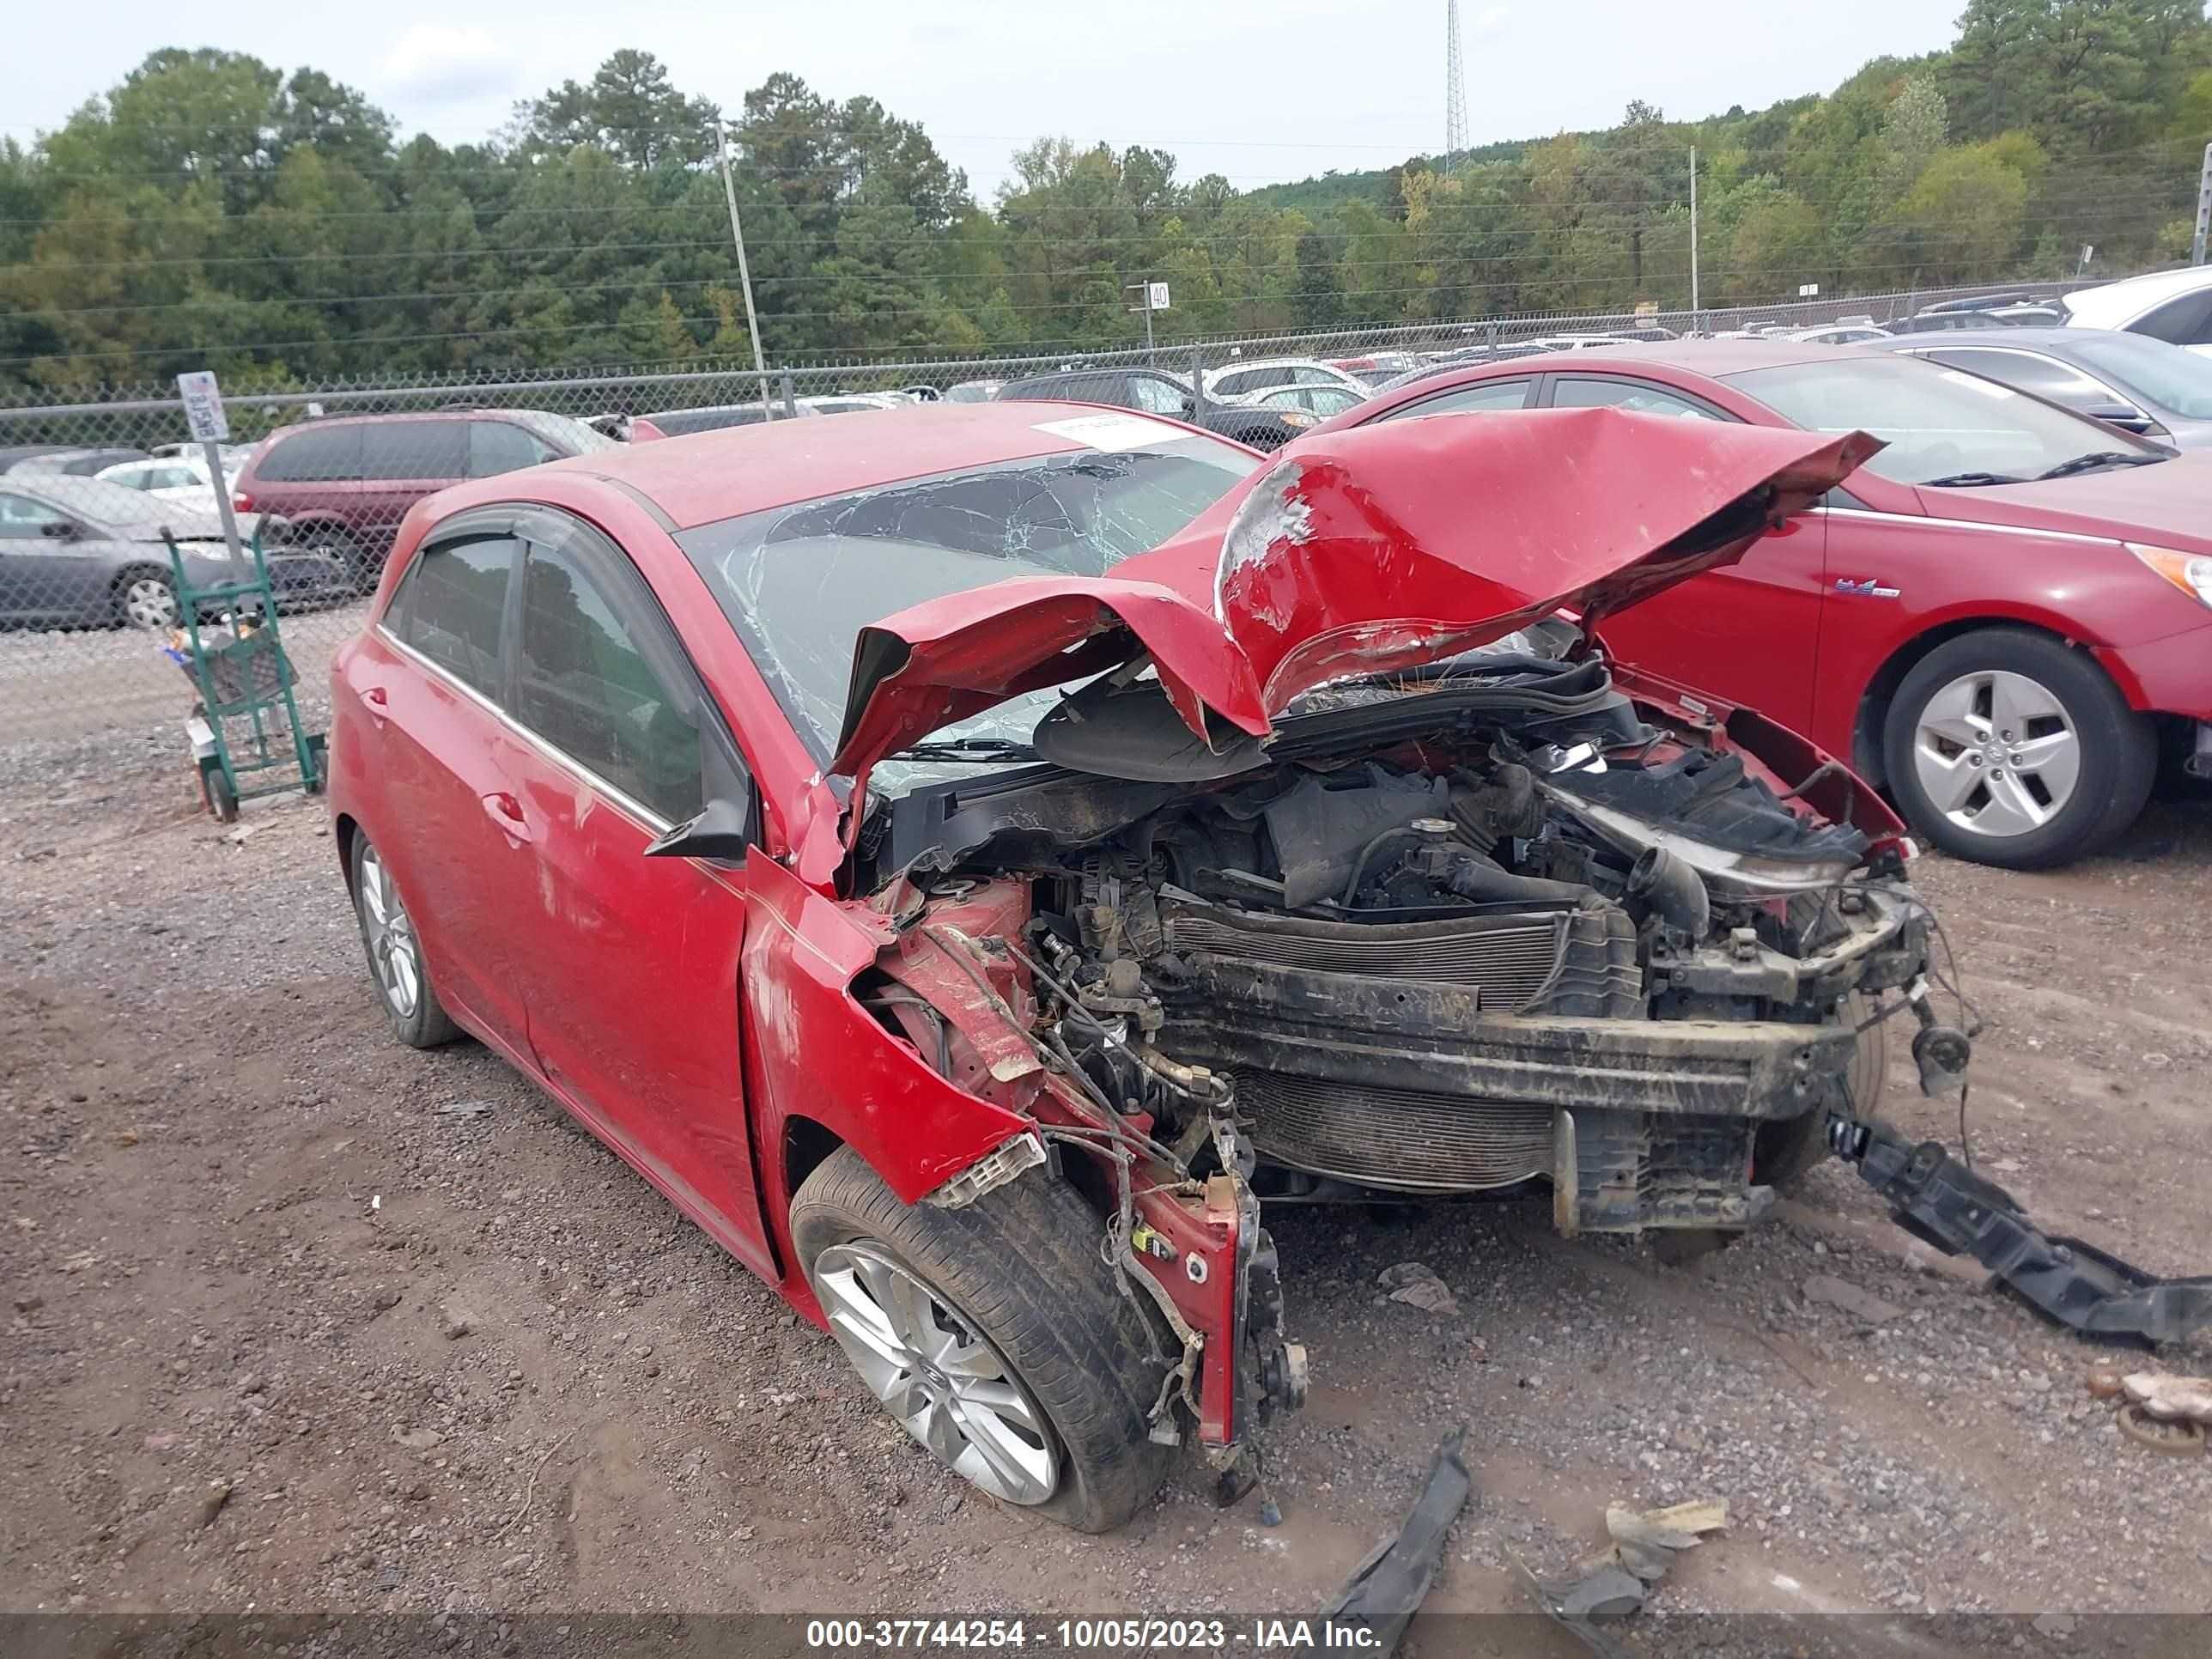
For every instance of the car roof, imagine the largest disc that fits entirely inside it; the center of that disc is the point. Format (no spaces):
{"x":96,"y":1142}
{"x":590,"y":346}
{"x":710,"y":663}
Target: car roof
{"x":1236,"y":363}
{"x":314,"y":422}
{"x":2133,"y":294}
{"x":1717,"y":358}
{"x":705,"y":476}
{"x":1987,"y":339}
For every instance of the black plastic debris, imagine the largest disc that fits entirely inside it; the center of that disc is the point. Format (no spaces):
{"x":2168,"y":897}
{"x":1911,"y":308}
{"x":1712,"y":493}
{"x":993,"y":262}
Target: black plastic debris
{"x":1386,"y":1589}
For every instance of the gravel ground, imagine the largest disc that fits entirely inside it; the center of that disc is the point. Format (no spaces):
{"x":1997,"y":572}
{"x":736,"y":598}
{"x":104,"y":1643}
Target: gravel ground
{"x":283,"y":1333}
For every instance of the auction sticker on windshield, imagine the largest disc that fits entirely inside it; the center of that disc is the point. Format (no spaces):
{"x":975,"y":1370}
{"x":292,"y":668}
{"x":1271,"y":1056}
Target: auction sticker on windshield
{"x":1112,"y":431}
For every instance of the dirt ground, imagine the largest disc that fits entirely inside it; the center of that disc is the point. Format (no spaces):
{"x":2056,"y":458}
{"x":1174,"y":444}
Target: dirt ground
{"x":299,"y":1319}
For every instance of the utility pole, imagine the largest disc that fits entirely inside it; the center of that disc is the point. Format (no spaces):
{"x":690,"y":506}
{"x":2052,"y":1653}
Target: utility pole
{"x":2204,"y":209}
{"x":1693,"y":235}
{"x":745,"y":271}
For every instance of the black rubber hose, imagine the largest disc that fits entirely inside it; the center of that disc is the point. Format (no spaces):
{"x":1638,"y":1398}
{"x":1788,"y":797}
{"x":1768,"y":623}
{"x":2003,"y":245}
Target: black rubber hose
{"x":1673,"y":889}
{"x":1485,"y":884}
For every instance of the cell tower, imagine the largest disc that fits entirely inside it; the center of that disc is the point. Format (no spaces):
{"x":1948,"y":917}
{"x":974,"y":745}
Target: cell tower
{"x":1454,"y":90}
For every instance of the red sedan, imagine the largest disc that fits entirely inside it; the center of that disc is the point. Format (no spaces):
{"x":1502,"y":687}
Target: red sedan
{"x":2005,"y":617}
{"x":970,"y":970}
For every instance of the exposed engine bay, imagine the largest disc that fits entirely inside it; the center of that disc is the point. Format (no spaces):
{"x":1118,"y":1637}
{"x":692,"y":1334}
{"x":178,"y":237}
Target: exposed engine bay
{"x":1505,"y":931}
{"x":1540,"y":940}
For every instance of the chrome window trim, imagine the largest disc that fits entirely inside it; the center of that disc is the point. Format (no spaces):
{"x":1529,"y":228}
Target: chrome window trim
{"x":644,"y":816}
{"x":1924,"y":519}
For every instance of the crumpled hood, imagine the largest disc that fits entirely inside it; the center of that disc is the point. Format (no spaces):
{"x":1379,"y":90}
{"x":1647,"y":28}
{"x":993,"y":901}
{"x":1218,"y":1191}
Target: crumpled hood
{"x":1361,"y":551}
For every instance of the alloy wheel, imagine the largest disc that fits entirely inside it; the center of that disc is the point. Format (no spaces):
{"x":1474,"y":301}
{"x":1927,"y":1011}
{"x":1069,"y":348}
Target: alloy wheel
{"x":1996,"y":753}
{"x":394,"y":955}
{"x":149,"y":602}
{"x":945,"y":1382}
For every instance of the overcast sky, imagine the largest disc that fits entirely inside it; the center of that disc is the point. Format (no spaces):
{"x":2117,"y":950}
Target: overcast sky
{"x":1258,"y":93}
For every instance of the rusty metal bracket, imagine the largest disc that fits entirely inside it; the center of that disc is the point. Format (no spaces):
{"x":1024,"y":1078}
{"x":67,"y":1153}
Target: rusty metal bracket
{"x":1941,"y":1202}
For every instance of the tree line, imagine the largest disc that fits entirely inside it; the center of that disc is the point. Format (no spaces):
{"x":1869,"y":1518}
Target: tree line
{"x":212,"y":210}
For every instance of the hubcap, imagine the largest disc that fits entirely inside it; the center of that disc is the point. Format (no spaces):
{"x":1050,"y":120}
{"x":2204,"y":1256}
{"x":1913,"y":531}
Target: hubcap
{"x":1996,"y":753}
{"x":393,"y":956}
{"x":148,"y":603}
{"x":950,"y":1387}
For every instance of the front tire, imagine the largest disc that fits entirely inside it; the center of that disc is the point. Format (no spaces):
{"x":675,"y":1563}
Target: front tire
{"x":994,"y":1334}
{"x":395,"y":955}
{"x":2009,"y":748}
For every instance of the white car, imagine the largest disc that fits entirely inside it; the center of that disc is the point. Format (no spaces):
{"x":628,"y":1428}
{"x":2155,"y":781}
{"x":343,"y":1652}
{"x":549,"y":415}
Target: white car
{"x":1852,"y":331}
{"x":2173,"y":306}
{"x":172,"y":478}
{"x":1319,"y":398}
{"x":1240,"y":382}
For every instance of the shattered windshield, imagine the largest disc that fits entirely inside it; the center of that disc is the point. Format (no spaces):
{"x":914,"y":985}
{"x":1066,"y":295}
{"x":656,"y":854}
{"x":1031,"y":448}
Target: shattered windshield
{"x":797,"y":583}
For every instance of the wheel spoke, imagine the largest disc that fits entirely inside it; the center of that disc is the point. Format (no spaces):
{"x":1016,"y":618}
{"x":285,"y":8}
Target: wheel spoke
{"x":2011,"y":809}
{"x":946,"y":1385}
{"x":1949,"y":781}
{"x":1015,"y":1464}
{"x":2055,"y":759}
{"x":2014,"y":700}
{"x":1952,"y":713}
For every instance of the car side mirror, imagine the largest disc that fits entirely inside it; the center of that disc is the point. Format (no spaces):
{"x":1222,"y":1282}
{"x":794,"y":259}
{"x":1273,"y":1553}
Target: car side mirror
{"x":723,"y":830}
{"x":728,"y":826}
{"x":58,"y":530}
{"x":2125,"y":416}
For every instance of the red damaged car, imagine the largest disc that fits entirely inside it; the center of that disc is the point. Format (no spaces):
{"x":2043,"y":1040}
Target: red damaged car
{"x":969,"y":860}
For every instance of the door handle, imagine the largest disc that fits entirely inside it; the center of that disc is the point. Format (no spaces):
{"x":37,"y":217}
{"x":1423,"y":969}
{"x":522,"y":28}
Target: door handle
{"x":505,"y":811}
{"x":374,"y":697}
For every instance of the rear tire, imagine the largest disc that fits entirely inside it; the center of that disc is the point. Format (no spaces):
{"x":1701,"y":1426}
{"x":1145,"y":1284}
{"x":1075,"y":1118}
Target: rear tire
{"x":396,"y":962}
{"x":361,"y":572}
{"x":2091,"y":758}
{"x":1020,"y":1269}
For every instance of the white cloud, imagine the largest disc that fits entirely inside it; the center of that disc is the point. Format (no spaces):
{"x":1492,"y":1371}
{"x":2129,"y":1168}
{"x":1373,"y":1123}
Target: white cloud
{"x":447,"y":63}
{"x":1489,"y":20}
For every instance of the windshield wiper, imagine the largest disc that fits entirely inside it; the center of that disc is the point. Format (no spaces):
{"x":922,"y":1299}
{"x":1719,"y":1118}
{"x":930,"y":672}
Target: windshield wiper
{"x":2097,"y":459}
{"x":1970,"y":480}
{"x":966,"y":749}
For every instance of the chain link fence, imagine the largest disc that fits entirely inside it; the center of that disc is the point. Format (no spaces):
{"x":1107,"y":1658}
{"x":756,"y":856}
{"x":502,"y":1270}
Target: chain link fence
{"x":88,"y":487}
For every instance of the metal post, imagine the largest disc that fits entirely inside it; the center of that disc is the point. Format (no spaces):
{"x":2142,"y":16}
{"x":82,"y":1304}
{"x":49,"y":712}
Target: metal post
{"x":1197,"y":379}
{"x":1150,"y":361}
{"x":2204,"y":209}
{"x":213,"y":451}
{"x":1694,"y":228}
{"x":790,"y":395}
{"x":745,"y":271}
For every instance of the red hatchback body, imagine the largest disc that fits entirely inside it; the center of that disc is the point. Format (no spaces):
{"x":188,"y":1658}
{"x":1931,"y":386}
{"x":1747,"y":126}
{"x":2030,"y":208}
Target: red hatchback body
{"x":976,"y":1012}
{"x":2010,"y":653}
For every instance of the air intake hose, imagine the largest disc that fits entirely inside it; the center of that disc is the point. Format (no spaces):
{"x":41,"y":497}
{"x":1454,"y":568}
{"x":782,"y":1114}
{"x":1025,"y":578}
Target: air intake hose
{"x":1673,"y":890}
{"x":1481,"y":882}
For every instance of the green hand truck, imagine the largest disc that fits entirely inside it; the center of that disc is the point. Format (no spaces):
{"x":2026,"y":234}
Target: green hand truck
{"x":241,"y":674}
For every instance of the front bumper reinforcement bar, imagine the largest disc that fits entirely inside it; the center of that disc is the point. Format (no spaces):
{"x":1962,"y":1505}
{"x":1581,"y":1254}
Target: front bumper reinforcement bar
{"x":1941,"y":1202}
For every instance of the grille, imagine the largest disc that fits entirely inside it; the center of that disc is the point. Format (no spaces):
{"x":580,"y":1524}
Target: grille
{"x":1394,"y":1137}
{"x":1509,"y":963}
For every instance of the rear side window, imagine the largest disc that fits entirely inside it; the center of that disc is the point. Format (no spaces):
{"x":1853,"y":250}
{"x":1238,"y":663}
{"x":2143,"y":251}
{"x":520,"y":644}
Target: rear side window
{"x":1482,"y":395}
{"x":414,"y":450}
{"x":1640,"y":397}
{"x":450,"y":603}
{"x":584,"y":683}
{"x":2185,"y":321}
{"x":497,"y":446}
{"x":312,"y":455}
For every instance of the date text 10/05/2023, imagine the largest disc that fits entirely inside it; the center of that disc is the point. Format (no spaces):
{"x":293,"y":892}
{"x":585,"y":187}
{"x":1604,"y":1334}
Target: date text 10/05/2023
{"x":1105,"y":1634}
